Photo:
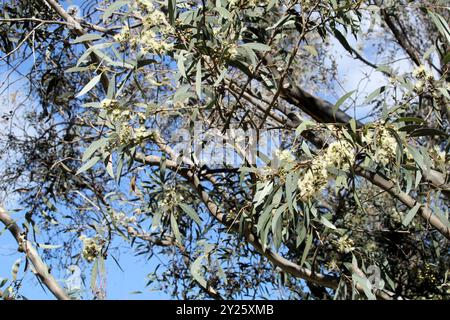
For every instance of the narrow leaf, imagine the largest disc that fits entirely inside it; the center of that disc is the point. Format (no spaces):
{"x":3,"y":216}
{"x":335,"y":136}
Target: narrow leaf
{"x":191,"y":213}
{"x":91,"y":84}
{"x":408,"y":218}
{"x":88,"y":165}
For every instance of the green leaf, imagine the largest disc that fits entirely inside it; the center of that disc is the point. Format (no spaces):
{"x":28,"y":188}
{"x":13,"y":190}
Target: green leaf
{"x":175,"y":230}
{"x":77,"y":69}
{"x":277,"y":226}
{"x":385,"y":69}
{"x":410,"y":119}
{"x":341,"y":38}
{"x":145,"y":62}
{"x":256,"y":46}
{"x":306,"y":149}
{"x":291,"y":187}
{"x":353,"y":125}
{"x":198,"y":79}
{"x":327,"y":223}
{"x":94,"y":274}
{"x":15,"y":269}
{"x":410,"y":127}
{"x":3,"y":282}
{"x":408,"y":218}
{"x":94,"y":146}
{"x":113,"y":7}
{"x":264,"y":219}
{"x":180,"y":63}
{"x":427,"y":132}
{"x":301,"y":233}
{"x":162,"y":168}
{"x":375,"y":94}
{"x":172,"y":11}
{"x":109,"y":166}
{"x":191,"y":213}
{"x":86,"y":37}
{"x":365,"y":284}
{"x":309,"y":239}
{"x":88,"y":165}
{"x":196,"y":271}
{"x":261,"y":194}
{"x":91,"y":84}
{"x":303,"y":126}
{"x":418,"y":158}
{"x":441,"y":24}
{"x":224,"y":13}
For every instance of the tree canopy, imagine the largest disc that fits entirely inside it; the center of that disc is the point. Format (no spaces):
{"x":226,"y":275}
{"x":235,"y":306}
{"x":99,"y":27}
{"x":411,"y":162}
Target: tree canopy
{"x":229,"y":137}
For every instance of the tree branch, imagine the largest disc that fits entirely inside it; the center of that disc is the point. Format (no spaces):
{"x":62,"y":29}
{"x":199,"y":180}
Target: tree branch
{"x":40,"y":268}
{"x":277,"y":260}
{"x":402,"y":39}
{"x":78,"y":30}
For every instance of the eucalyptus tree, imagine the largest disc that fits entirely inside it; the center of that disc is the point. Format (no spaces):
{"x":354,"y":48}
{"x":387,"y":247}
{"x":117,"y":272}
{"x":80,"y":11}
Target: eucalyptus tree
{"x":217,"y":134}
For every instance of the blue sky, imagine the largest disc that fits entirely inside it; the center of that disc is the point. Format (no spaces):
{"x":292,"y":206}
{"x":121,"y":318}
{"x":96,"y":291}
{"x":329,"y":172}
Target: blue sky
{"x":120,"y":285}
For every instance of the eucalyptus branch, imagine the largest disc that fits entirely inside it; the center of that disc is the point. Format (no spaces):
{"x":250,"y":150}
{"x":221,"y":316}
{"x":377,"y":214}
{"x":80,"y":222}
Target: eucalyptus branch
{"x":40,"y":269}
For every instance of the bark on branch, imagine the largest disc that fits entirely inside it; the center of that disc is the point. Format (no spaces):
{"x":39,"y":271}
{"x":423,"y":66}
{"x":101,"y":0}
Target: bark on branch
{"x":40,"y":268}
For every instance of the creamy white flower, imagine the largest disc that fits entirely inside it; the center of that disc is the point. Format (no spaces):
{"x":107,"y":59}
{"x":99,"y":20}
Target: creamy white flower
{"x":438,"y":155}
{"x":419,"y":72}
{"x":340,"y":154}
{"x":384,"y":145}
{"x":123,"y":35}
{"x":284,"y":156}
{"x":313,"y":181}
{"x":146,"y":4}
{"x":150,"y":42}
{"x":91,"y":248}
{"x":387,"y":147}
{"x":345,"y":245}
{"x":419,"y":86}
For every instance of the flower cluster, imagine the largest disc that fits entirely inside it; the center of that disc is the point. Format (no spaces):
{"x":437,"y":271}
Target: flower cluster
{"x":145,"y":5}
{"x":232,"y":51}
{"x":151,"y":42}
{"x":171,"y":198}
{"x":115,"y":110}
{"x":339,"y":155}
{"x":92,"y":247}
{"x":125,"y":133}
{"x":426,"y":275}
{"x":155,"y":32}
{"x":267,"y":173}
{"x":438,"y":157}
{"x":314,"y":180}
{"x":284,"y":156}
{"x":123,"y":35}
{"x":425,"y":80}
{"x":122,"y":116}
{"x":129,"y":134}
{"x":332,"y":265}
{"x":345,"y":244}
{"x":123,"y":220}
{"x":384,"y":145}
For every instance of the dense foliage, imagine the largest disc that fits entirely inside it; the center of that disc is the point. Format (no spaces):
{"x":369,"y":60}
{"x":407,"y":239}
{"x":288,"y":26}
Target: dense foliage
{"x":217,"y":133}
